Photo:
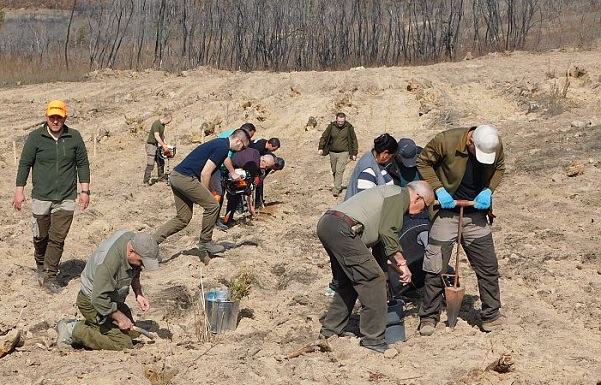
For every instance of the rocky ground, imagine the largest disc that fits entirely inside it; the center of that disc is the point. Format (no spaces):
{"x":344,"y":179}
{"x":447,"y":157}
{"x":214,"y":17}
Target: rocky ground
{"x":547,"y":230}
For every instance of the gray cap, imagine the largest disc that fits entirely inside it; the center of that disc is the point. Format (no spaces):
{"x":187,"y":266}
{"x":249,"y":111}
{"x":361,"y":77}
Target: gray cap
{"x":407,"y":152}
{"x":146,"y":247}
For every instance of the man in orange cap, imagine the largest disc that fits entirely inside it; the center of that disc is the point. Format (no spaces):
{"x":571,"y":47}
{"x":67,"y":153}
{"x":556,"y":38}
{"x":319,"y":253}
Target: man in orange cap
{"x":56,"y":156}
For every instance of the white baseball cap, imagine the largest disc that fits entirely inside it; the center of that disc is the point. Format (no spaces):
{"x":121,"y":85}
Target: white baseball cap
{"x":486,"y":141}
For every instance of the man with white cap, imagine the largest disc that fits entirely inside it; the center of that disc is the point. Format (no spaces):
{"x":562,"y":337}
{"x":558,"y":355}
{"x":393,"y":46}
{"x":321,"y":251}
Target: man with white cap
{"x":111,"y":270}
{"x":462,"y":164}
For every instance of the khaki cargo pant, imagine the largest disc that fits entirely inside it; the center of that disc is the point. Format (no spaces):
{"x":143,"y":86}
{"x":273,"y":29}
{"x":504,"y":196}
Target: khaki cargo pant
{"x":338,"y":162}
{"x":478,"y":244}
{"x":50,"y":222}
{"x":187,"y":191}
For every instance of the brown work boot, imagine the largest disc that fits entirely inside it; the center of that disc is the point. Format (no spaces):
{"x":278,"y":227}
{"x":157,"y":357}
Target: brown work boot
{"x":489,"y":326}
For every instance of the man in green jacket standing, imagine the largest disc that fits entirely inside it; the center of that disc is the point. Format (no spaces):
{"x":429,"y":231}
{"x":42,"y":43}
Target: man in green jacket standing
{"x":340,"y":142}
{"x":56,"y":155}
{"x":156,"y":140}
{"x":370,"y":218}
{"x":111,"y":270}
{"x":462,"y":164}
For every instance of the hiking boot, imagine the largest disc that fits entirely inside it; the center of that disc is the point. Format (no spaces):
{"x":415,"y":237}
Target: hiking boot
{"x":427,"y":328}
{"x":378,"y":348}
{"x":210,"y":247}
{"x":64,"y":329}
{"x":325,"y":334}
{"x":39,"y":274}
{"x":489,"y":326}
{"x":51,"y":286}
{"x":220,"y":225}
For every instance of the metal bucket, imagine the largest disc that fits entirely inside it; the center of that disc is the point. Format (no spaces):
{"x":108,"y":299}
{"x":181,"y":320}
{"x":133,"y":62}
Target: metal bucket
{"x":395,"y":321}
{"x":222,"y":315}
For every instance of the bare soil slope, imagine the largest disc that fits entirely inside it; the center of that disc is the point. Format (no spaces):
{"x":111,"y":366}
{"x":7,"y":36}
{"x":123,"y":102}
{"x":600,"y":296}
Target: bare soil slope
{"x":547,"y":230}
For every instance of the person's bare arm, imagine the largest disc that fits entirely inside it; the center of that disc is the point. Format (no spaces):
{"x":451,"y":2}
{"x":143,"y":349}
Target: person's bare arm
{"x":230,"y":167}
{"x":160,"y":140}
{"x":140,"y":298}
{"x":206,"y":173}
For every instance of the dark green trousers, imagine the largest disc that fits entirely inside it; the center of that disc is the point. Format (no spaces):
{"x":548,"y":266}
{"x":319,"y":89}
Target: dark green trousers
{"x":105,"y":336}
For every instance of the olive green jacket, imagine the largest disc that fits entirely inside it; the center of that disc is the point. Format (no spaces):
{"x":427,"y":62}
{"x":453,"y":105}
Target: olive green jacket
{"x":380,"y":210}
{"x":55,"y":164}
{"x":325,"y":142}
{"x":107,"y":276}
{"x":443,"y":161}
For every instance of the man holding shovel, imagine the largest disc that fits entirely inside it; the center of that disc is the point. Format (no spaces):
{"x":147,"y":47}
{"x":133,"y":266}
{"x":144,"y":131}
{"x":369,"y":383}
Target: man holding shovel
{"x":111,"y":270}
{"x":462,"y":164}
{"x":370,"y":218}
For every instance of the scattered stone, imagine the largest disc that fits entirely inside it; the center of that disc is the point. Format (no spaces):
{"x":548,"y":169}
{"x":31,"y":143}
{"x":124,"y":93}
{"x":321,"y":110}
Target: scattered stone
{"x":503,"y":365}
{"x":312,"y":122}
{"x":533,"y":106}
{"x":576,"y":71}
{"x":300,"y":299}
{"x":9,"y":341}
{"x":577,"y":124}
{"x":391,"y":353}
{"x":207,"y":128}
{"x":575,"y":169}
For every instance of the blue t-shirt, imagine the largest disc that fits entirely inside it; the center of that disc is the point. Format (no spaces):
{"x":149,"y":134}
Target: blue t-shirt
{"x":216,"y":150}
{"x":226,"y":134}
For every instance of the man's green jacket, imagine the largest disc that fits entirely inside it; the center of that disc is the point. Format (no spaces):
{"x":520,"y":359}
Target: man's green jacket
{"x":55,"y":164}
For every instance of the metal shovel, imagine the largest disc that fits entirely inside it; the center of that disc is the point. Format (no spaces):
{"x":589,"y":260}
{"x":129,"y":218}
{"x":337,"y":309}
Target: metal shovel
{"x":454,"y":294}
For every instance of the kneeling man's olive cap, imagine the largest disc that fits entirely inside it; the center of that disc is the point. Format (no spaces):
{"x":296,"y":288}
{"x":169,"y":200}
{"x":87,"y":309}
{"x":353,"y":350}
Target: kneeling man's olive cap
{"x":147,"y":248}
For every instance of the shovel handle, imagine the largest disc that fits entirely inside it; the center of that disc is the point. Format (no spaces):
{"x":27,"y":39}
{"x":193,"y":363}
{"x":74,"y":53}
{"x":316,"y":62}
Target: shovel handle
{"x":394,"y":267}
{"x":458,"y":203}
{"x":142,"y":331}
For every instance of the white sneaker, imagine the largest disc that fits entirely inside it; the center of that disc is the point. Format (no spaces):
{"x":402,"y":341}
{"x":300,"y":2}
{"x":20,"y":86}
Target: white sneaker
{"x":64,"y":330}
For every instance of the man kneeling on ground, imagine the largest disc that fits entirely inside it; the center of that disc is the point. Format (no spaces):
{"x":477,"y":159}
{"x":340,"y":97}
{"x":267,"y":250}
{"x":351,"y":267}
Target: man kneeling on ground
{"x":111,"y":270}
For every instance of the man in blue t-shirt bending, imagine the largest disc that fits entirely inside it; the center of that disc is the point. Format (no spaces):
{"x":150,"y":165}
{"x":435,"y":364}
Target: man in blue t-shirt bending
{"x":190,"y":184}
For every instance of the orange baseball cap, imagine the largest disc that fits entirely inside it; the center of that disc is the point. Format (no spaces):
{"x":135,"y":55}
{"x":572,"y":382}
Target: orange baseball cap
{"x":56,"y":107}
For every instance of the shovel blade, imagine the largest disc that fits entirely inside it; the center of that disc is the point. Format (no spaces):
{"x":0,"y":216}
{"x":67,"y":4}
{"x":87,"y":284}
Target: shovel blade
{"x":453,"y":297}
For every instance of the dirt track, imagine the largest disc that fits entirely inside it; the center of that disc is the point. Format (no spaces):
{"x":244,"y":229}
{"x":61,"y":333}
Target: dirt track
{"x":547,"y":229}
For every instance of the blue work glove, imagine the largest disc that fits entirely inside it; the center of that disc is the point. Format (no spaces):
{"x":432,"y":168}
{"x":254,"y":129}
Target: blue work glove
{"x":482,"y":201}
{"x":445,"y":199}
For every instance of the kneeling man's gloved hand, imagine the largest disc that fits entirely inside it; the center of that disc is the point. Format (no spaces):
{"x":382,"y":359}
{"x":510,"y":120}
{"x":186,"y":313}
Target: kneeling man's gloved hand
{"x":482,"y":201}
{"x":445,"y":199}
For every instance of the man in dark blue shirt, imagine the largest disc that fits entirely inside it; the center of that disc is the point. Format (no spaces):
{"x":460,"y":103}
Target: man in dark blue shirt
{"x":190,"y":184}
